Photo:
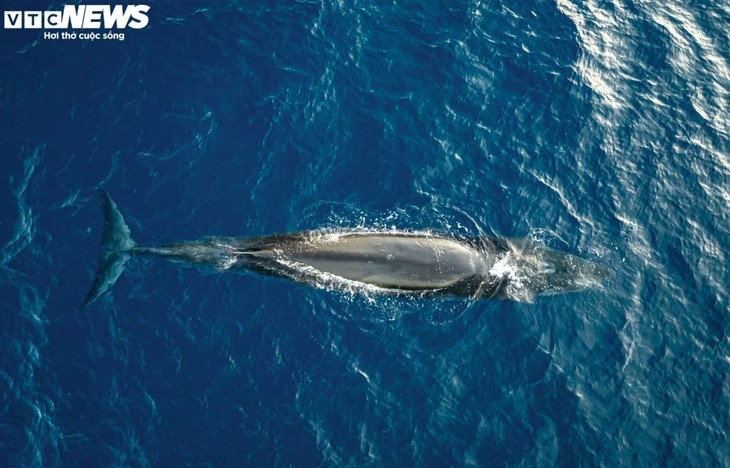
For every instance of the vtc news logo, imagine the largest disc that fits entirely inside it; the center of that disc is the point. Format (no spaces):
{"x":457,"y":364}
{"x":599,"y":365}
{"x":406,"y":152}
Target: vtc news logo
{"x":80,"y":17}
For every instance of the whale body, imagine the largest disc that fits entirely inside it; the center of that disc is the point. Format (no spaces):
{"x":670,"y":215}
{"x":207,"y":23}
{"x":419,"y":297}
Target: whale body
{"x":389,"y":262}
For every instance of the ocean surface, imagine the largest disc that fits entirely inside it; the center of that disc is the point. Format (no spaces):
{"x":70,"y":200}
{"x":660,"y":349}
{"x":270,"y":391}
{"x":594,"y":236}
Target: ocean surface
{"x":600,"y":128}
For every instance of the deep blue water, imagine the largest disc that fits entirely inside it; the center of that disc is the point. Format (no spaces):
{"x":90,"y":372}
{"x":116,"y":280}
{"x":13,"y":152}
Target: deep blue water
{"x":597,"y":127}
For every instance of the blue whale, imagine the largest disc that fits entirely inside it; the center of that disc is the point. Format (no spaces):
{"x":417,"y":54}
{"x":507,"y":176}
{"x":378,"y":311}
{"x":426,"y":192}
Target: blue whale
{"x":378,"y":262}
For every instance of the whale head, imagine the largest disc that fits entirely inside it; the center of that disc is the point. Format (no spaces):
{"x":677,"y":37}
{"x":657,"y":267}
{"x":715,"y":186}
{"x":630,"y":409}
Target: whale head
{"x":529,"y":269}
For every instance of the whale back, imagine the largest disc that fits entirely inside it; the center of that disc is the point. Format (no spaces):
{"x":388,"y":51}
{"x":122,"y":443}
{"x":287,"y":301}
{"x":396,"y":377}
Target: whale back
{"x":391,"y":260}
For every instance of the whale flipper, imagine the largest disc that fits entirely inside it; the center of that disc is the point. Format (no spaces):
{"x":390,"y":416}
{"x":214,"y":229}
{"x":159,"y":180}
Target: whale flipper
{"x":117,"y":247}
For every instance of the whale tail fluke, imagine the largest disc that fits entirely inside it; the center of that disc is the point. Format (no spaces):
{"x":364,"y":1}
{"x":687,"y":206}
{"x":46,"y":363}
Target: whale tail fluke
{"x":117,"y":247}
